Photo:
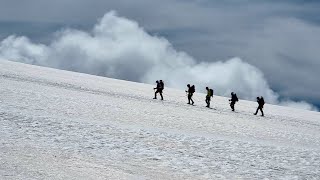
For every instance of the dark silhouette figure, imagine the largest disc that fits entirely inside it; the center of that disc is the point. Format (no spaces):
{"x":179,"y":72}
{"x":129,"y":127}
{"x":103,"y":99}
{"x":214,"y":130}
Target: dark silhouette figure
{"x":159,"y":89}
{"x":190,"y":91}
{"x":208,"y":97}
{"x":233,"y":100}
{"x":260,"y":101}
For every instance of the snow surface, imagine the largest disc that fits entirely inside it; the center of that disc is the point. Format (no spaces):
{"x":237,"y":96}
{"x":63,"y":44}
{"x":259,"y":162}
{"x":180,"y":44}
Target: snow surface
{"x":63,"y":125}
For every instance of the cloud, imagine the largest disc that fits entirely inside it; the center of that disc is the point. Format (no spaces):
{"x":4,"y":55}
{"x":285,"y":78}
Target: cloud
{"x":119,"y":48}
{"x":299,"y":105}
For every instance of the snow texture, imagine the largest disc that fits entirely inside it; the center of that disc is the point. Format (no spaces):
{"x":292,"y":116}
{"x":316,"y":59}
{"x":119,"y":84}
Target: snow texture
{"x":64,"y":125}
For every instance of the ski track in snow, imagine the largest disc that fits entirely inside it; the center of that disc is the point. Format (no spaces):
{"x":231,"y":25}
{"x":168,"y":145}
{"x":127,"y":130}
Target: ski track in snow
{"x":63,"y":125}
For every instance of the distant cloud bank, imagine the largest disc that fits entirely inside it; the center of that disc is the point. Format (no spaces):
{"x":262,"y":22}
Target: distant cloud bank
{"x":118,"y":48}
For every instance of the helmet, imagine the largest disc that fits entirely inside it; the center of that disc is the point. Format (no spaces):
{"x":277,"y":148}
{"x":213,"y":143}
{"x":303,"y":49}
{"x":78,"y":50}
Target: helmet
{"x":188,"y":85}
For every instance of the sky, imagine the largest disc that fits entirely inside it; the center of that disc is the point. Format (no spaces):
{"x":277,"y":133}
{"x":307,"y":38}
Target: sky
{"x":268,"y":48}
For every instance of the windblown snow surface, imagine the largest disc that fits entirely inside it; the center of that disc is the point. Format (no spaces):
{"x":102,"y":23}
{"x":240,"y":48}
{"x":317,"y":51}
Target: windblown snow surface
{"x":63,"y":125}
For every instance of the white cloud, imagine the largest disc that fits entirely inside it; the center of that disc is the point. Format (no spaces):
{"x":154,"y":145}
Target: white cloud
{"x":299,"y":105}
{"x":117,"y":47}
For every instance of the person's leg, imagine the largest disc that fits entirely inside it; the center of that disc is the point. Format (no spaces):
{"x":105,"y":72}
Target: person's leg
{"x":155,"y":94}
{"x":189,"y":97}
{"x":256,"y":111}
{"x":157,"y":91}
{"x":207,"y":101}
{"x":232,"y":105}
{"x":261,"y":111}
{"x":161,"y":95}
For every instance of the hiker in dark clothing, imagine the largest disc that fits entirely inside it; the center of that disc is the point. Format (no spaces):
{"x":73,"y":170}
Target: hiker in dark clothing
{"x":159,"y":89}
{"x":260,"y":101}
{"x":190,"y":91}
{"x":208,"y":97}
{"x":233,"y":100}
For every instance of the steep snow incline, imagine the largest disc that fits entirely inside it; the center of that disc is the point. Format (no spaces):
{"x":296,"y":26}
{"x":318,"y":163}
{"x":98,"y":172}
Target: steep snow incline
{"x":64,"y":125}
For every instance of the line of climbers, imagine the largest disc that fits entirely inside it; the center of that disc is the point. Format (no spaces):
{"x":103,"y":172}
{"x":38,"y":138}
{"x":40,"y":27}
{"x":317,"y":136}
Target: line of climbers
{"x":192,"y":89}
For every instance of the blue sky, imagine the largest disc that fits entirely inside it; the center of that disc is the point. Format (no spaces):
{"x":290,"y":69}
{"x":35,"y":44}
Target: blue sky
{"x":281,"y":38}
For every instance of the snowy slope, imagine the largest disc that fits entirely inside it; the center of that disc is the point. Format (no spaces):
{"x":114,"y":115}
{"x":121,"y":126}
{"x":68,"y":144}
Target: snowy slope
{"x":64,"y":125}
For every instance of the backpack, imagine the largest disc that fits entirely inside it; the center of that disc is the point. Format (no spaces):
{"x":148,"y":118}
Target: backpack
{"x":162,"y":85}
{"x":211,"y":92}
{"x":158,"y":85}
{"x":235,"y":97}
{"x":192,"y":89}
{"x":262,"y":101}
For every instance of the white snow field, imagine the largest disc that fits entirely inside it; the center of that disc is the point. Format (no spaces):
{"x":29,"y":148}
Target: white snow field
{"x":64,"y":125}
